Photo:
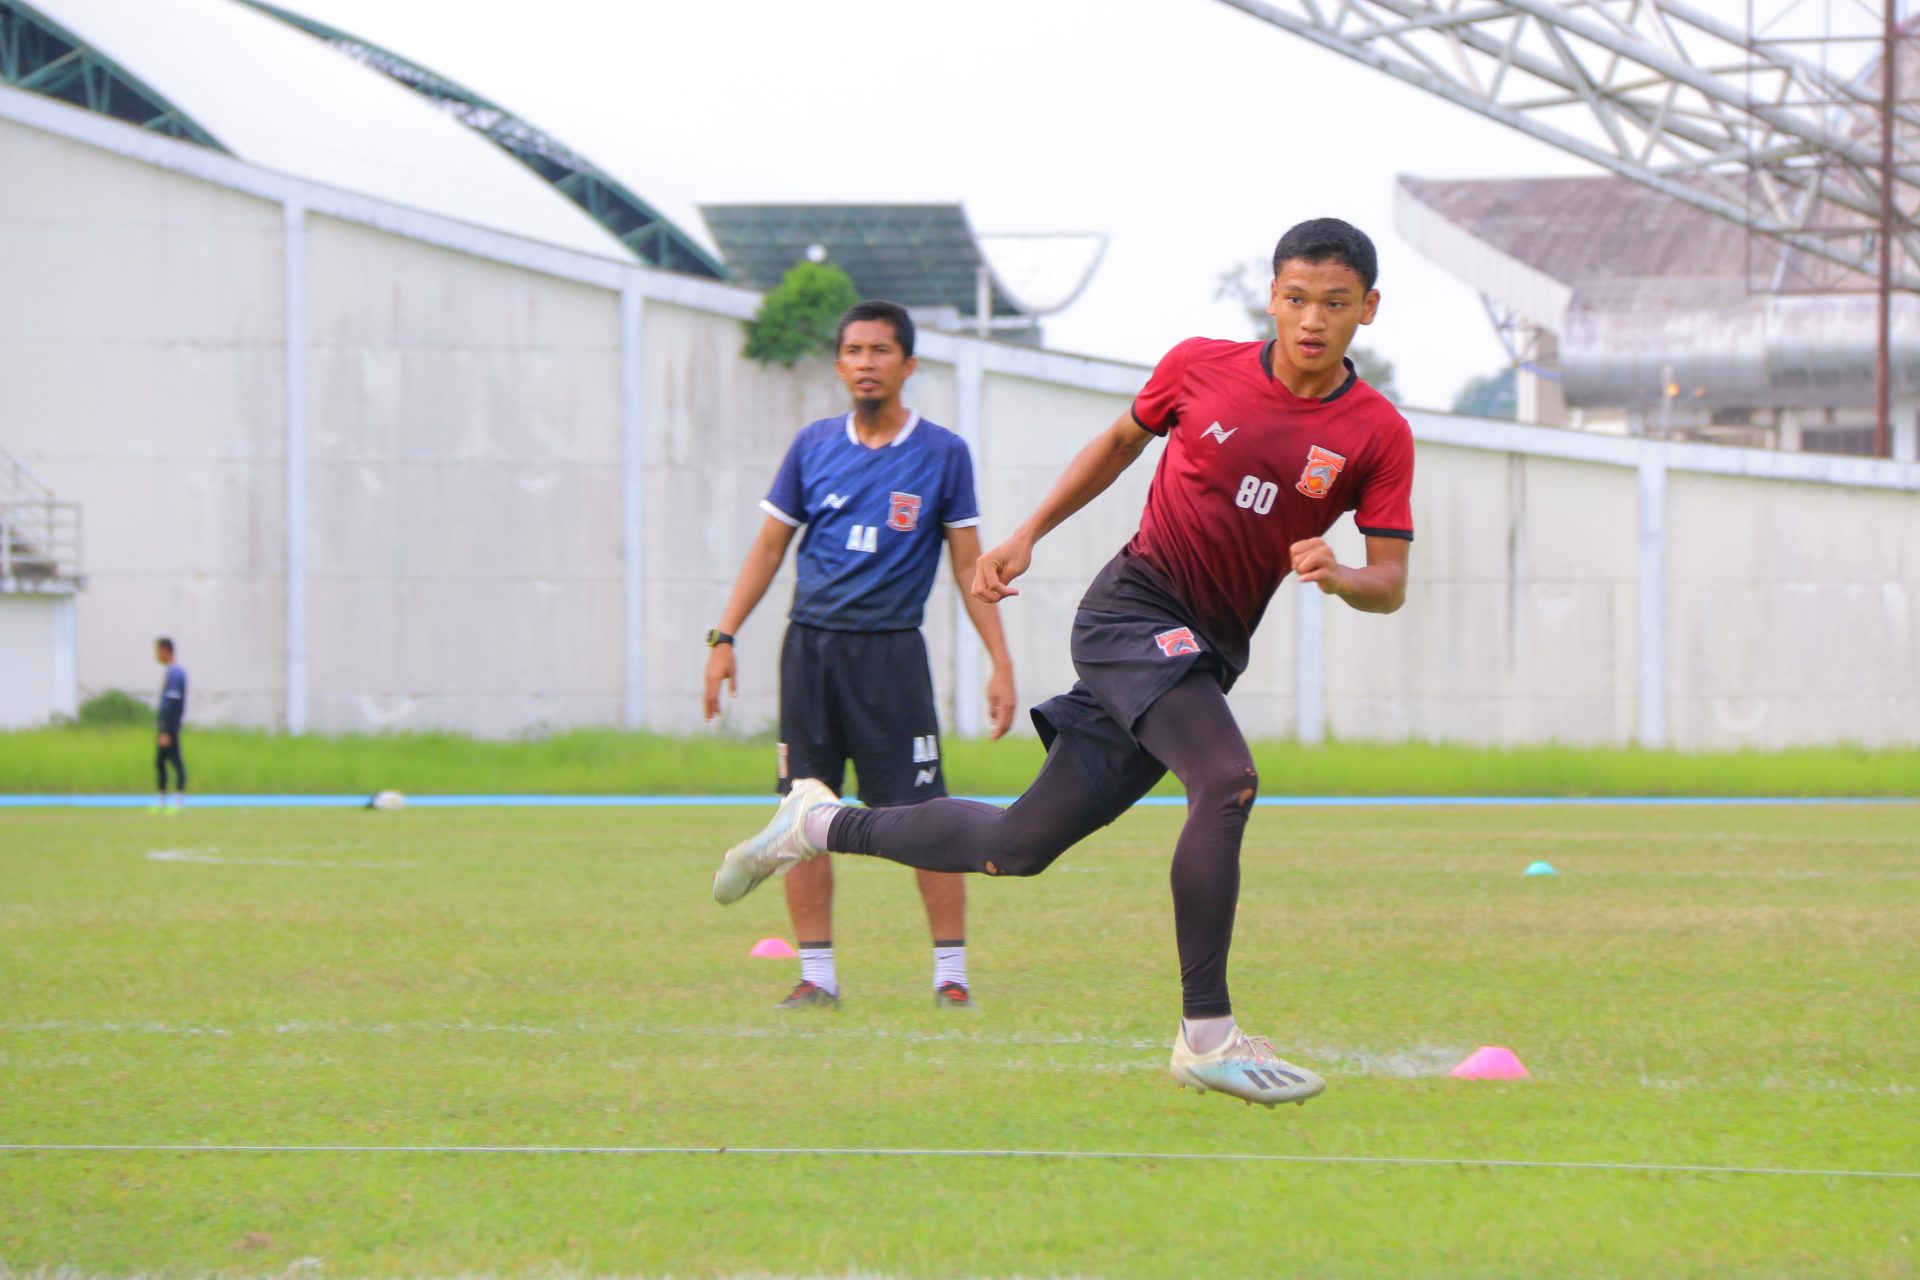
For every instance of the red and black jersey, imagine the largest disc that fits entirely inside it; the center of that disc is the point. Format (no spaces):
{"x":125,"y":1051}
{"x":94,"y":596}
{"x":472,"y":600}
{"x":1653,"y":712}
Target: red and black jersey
{"x":1249,"y":470}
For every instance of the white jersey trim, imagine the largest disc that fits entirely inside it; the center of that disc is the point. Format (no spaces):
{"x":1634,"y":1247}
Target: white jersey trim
{"x":780,"y":515}
{"x":913,"y":420}
{"x":968,"y":523}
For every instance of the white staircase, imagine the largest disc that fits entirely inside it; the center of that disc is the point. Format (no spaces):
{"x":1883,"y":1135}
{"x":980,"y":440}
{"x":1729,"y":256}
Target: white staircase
{"x":39,"y":534}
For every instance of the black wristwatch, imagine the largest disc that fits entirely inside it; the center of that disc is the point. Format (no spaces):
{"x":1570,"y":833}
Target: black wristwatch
{"x":717,"y":636}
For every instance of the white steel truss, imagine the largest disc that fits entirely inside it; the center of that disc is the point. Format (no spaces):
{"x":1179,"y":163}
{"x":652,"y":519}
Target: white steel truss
{"x":1752,"y":121}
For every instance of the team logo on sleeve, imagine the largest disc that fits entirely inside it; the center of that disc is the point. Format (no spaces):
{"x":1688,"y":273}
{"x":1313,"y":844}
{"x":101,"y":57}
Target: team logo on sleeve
{"x":1322,"y":469}
{"x":1177,"y":641}
{"x":904,"y":514}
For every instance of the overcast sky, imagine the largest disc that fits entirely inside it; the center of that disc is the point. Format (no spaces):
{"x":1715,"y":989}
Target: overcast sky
{"x":1190,"y":133}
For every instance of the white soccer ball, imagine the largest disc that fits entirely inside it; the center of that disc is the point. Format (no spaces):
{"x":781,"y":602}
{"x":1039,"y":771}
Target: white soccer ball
{"x":389,"y":801}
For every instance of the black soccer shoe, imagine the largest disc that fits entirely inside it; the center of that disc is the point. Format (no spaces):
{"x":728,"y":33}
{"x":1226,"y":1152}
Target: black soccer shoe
{"x":952,"y":995}
{"x":805,"y":995}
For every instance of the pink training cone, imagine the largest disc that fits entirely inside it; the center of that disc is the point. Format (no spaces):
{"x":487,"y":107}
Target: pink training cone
{"x":773,"y":949}
{"x":1490,"y":1062}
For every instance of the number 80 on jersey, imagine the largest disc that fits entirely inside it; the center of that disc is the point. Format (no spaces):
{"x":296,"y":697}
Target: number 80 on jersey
{"x":1256,"y":495}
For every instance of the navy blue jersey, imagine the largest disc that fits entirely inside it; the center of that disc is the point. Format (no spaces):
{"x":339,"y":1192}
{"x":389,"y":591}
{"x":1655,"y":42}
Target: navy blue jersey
{"x":173,"y":699}
{"x":875,"y":519}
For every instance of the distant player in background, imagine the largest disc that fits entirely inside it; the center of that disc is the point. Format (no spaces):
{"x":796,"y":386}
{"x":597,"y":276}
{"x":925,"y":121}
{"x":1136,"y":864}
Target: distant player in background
{"x":878,"y":490}
{"x":173,"y":710}
{"x":1267,"y":445}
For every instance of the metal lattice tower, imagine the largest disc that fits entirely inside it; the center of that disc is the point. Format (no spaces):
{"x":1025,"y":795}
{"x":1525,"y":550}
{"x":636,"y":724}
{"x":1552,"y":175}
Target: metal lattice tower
{"x":1776,"y":124}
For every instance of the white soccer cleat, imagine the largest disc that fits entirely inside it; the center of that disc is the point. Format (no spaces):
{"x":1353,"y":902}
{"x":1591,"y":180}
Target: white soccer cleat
{"x":1243,"y":1067}
{"x":780,"y":844}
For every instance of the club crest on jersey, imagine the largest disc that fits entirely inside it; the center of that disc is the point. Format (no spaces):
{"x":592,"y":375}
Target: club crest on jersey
{"x":904,"y":513}
{"x":1322,"y":469}
{"x":1177,"y":641}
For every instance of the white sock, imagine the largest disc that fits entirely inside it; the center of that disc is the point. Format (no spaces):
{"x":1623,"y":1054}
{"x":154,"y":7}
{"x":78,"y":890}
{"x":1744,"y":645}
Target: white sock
{"x":816,"y":966}
{"x":949,"y":963}
{"x":1204,"y":1035}
{"x":818,"y":819}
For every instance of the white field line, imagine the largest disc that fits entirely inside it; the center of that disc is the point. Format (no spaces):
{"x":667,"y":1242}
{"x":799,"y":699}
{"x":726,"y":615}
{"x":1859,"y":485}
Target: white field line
{"x":935,"y":1153}
{"x":214,"y":857}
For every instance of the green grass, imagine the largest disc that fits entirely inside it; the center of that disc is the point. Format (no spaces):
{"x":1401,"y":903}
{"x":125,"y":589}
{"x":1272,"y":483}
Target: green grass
{"x":607,"y":762}
{"x":1726,"y":986}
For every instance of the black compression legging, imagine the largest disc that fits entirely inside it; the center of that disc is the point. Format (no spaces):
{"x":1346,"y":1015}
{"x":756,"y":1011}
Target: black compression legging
{"x":161,"y":755}
{"x":1189,"y":731}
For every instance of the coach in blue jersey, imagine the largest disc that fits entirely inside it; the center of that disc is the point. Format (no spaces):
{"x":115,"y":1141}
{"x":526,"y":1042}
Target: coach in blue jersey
{"x":877,"y":490}
{"x":173,"y":710}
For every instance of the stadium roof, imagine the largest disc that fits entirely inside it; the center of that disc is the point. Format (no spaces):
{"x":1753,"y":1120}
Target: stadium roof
{"x":234,"y":78}
{"x":919,"y":255}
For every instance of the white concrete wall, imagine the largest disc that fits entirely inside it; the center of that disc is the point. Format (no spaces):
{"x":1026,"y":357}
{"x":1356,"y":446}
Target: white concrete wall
{"x":36,"y":659}
{"x":471,"y":400}
{"x":464,"y":490}
{"x":140,"y":356}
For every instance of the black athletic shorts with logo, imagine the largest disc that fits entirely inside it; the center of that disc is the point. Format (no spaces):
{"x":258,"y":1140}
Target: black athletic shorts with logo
{"x":864,"y":696}
{"x":1129,"y":649}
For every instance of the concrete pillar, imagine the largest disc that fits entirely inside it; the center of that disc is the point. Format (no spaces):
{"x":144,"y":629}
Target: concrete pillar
{"x":63,"y":669}
{"x":1310,"y":679}
{"x":633,"y":494}
{"x":294,"y":264}
{"x":1906,"y":429}
{"x":969,"y":393}
{"x":1652,"y":719}
{"x":1538,"y":399}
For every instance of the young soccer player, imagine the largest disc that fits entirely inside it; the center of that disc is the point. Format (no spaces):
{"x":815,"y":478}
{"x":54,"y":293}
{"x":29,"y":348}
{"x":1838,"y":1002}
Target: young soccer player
{"x":878,"y":489}
{"x":173,"y":710}
{"x":1267,"y":444}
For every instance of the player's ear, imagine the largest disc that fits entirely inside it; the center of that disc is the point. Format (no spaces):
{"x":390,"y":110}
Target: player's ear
{"x":1369,"y":306}
{"x":911,"y":364}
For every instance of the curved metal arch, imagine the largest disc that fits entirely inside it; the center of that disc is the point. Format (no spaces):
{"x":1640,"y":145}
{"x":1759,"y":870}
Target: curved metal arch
{"x":646,"y":232}
{"x":41,"y":56}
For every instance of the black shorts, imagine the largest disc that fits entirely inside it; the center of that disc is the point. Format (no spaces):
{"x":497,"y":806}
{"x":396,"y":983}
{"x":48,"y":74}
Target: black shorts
{"x":1127,"y":661}
{"x":864,"y":696}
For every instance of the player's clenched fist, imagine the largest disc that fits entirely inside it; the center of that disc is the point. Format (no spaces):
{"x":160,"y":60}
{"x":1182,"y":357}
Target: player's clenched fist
{"x":997,"y":568}
{"x":720,"y":670}
{"x":1313,"y":562}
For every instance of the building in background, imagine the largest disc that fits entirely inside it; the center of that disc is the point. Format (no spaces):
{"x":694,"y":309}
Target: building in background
{"x":926,"y":257}
{"x":1626,"y":311}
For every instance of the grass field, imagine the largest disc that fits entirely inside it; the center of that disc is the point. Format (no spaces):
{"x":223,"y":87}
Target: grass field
{"x":119,"y":760}
{"x":1736,"y":987}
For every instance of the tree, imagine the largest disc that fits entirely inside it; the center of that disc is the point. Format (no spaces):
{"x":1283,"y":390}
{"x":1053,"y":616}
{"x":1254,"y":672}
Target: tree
{"x":1243,"y":284}
{"x":1491,"y":396}
{"x":800,"y":316}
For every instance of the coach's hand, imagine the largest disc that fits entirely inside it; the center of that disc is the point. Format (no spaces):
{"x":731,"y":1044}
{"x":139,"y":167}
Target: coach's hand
{"x":1000,"y":566}
{"x":720,"y":670}
{"x":1000,"y":700}
{"x":1313,"y":561}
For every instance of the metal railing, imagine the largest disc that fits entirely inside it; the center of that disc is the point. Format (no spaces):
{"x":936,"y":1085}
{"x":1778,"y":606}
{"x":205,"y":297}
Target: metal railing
{"x":39,"y":534}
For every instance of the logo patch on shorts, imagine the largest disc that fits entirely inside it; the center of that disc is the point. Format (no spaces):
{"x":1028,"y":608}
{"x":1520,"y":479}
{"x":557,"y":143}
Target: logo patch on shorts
{"x":1322,"y":469}
{"x":783,"y":762}
{"x":905,"y":513}
{"x":1177,"y":641}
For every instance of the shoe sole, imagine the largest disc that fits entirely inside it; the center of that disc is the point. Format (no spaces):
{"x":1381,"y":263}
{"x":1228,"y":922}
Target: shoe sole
{"x":1184,"y":1081}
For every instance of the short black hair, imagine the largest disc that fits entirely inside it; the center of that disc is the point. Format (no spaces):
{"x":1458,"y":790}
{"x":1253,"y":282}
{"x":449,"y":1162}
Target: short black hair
{"x":879,"y":309}
{"x":1329,"y":240}
{"x":164,"y":643}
